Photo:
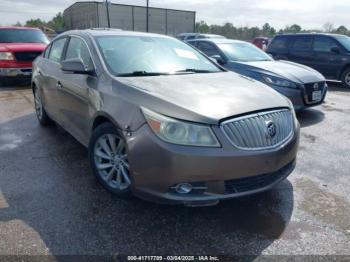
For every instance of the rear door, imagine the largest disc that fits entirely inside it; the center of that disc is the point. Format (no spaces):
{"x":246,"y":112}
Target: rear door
{"x":50,"y":72}
{"x":74,"y":91}
{"x":326,"y":62}
{"x":300,"y":50}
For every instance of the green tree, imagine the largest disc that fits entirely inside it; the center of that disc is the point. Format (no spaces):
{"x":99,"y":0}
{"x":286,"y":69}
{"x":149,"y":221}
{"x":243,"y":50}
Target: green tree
{"x":35,"y":23}
{"x":56,"y":23}
{"x":342,"y":30}
{"x":202,"y":27}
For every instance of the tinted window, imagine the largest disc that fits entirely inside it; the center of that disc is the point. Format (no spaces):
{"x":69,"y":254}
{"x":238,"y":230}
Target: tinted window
{"x":57,"y":49}
{"x":279,"y":43}
{"x":22,"y":36}
{"x":323,"y":44}
{"x":190,"y":37}
{"x":46,"y":52}
{"x":207,"y":48}
{"x":78,"y":49}
{"x":128,"y":54}
{"x":302,"y":43}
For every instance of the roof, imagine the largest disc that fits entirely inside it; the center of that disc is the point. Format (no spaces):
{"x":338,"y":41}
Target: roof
{"x":218,"y":40}
{"x":111,"y":32}
{"x":313,"y":33}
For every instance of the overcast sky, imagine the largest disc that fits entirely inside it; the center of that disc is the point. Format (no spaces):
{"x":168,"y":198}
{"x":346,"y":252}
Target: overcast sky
{"x":310,"y":14}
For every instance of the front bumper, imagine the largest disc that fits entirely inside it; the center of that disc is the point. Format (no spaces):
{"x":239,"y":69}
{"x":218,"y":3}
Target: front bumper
{"x":157,"y":167}
{"x":301,"y":97}
{"x":25,"y":72}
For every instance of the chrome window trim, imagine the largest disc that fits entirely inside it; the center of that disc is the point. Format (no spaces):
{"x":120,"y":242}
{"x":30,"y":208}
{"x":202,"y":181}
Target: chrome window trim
{"x":284,"y":141}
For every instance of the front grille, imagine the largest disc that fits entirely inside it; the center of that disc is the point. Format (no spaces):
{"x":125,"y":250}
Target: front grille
{"x":26,"y":56}
{"x":257,"y":182}
{"x":261,"y":130}
{"x":313,"y":87}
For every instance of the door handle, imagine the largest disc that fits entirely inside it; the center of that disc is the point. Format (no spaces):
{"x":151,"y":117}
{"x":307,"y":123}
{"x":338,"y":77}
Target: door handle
{"x":59,"y":85}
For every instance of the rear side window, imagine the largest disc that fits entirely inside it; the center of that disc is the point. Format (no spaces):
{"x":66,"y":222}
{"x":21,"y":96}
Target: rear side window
{"x":324,"y":44}
{"x":190,"y":37}
{"x":208,"y":49}
{"x":57,"y":49}
{"x":279,"y":43}
{"x":47,"y":51}
{"x":302,"y":43}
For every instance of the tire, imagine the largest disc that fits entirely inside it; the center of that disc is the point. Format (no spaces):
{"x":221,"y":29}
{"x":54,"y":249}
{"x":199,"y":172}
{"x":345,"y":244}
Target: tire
{"x":345,"y":78}
{"x":109,"y":160}
{"x":41,"y":114}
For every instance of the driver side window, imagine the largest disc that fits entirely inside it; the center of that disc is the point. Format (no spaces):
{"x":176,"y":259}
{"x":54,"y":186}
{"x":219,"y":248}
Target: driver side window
{"x":77,"y":49}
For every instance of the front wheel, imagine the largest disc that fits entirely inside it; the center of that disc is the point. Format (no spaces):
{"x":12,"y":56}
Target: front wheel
{"x":346,"y":78}
{"x":109,"y":160}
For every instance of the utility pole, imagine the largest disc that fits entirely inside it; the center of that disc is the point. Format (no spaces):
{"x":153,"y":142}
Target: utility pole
{"x":147,"y":5}
{"x":108,"y":18}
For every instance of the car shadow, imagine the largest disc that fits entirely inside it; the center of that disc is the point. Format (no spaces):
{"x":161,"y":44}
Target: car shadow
{"x":309,"y":117}
{"x":53,"y":192}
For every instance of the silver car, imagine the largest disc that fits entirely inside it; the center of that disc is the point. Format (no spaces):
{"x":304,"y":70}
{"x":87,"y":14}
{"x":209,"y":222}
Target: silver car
{"x":162,"y":121}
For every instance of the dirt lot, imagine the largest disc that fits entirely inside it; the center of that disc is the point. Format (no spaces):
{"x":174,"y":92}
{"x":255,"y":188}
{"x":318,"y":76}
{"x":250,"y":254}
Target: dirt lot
{"x":51,"y":204}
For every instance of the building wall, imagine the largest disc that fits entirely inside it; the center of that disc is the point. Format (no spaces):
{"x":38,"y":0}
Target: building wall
{"x":81,"y":16}
{"x":84,"y":15}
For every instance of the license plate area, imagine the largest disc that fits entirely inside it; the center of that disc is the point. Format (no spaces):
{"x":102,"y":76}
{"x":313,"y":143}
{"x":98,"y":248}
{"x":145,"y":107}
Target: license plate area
{"x":316,"y":95}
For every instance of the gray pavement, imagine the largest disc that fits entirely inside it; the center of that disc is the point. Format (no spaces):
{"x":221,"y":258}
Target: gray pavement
{"x":51,"y":204}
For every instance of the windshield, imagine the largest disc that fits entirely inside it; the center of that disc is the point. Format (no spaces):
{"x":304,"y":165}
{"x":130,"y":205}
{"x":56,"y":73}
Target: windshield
{"x":345,"y":41}
{"x":244,"y":52}
{"x":142,"y":55}
{"x":22,"y":36}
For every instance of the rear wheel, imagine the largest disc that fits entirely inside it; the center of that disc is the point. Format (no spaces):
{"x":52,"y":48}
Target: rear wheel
{"x":109,"y":160}
{"x":41,"y":114}
{"x":346,"y":78}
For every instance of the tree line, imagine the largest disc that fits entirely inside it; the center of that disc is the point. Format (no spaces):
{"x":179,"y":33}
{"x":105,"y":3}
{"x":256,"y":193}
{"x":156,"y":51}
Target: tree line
{"x":247,"y":33}
{"x":56,"y":23}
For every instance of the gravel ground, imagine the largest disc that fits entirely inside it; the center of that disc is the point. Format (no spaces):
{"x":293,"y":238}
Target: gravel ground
{"x":50,"y":204}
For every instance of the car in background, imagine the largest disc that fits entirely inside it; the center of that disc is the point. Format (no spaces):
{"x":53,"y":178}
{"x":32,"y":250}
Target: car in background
{"x":19,"y":46}
{"x":261,"y":42}
{"x":190,"y":36}
{"x":161,"y":120}
{"x":327,"y":53}
{"x":303,"y":85}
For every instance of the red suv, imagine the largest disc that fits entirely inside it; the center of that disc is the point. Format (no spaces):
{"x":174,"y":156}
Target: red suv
{"x":19,"y":46}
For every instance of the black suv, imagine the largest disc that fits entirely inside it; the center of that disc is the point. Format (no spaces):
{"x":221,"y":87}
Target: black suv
{"x":327,"y":53}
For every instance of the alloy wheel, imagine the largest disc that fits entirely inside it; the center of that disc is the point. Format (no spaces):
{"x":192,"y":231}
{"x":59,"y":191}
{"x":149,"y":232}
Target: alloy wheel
{"x":38,"y":105}
{"x":347,"y":79}
{"x":111,"y":161}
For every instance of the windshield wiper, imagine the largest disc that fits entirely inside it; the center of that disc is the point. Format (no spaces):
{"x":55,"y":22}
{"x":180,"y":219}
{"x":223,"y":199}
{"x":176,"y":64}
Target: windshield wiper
{"x":143,"y":73}
{"x":193,"y":70}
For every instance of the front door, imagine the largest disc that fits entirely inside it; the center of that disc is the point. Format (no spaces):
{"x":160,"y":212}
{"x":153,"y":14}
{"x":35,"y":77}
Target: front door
{"x":74,"y":91}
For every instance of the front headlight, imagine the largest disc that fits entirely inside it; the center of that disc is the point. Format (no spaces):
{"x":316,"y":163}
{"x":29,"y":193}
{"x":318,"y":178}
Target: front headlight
{"x":6,"y":56}
{"x":179,"y":132}
{"x":275,"y":81}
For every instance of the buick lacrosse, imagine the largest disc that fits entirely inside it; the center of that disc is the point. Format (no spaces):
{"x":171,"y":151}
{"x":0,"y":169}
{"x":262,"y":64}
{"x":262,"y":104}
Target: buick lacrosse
{"x":162,"y":121}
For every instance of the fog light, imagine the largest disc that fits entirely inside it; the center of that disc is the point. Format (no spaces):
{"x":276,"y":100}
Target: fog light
{"x":183,"y":188}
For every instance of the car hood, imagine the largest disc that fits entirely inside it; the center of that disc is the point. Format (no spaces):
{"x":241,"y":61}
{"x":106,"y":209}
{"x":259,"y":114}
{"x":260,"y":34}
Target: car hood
{"x":20,"y":47}
{"x":292,"y":71}
{"x":203,"y":98}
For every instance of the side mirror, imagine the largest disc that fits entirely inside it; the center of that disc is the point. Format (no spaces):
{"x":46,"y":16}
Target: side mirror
{"x":335,"y":50}
{"x":74,"y":66}
{"x":218,"y":59}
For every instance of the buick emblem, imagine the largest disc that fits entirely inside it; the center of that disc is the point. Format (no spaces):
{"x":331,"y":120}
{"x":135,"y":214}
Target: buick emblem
{"x":316,"y":86}
{"x":271,"y":129}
